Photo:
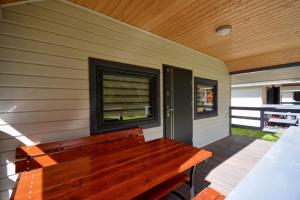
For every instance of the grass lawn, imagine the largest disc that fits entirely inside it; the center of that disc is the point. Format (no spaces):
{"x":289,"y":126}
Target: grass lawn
{"x":263,"y":135}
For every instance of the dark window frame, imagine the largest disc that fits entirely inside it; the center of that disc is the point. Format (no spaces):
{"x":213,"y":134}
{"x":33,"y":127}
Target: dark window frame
{"x":214,"y":84}
{"x":98,"y":67}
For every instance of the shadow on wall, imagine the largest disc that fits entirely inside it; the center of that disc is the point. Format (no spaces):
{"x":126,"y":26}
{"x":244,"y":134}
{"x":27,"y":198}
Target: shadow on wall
{"x":8,"y":177}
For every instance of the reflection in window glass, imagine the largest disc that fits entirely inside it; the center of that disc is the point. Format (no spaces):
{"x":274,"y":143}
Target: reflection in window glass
{"x":122,"y":96}
{"x":126,"y":98}
{"x":205,"y":98}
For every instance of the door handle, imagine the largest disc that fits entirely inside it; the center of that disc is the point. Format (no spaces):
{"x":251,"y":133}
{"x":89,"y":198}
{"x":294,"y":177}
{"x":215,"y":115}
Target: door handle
{"x":169,"y":112}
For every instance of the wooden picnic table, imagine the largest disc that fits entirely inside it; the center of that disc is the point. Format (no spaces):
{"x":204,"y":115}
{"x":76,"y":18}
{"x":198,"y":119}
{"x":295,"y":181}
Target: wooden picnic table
{"x":120,"y":174}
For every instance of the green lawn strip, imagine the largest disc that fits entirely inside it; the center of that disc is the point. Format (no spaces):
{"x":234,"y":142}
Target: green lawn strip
{"x":263,"y":135}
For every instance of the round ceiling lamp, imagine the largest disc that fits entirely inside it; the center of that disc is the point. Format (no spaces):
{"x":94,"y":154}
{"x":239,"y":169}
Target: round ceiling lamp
{"x":224,"y":30}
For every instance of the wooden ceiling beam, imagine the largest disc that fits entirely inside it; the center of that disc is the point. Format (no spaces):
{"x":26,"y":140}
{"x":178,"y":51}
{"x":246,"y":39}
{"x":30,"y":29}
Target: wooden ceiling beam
{"x":264,"y":60}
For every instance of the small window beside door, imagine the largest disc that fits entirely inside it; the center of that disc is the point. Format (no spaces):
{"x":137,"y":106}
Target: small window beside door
{"x":206,"y":98}
{"x":123,"y":96}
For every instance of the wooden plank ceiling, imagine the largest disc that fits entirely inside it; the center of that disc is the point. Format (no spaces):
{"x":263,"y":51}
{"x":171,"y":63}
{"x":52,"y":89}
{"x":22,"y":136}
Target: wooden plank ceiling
{"x":260,"y":27}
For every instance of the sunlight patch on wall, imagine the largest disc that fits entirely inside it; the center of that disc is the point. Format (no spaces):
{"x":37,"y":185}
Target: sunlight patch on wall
{"x":8,"y":129}
{"x":10,"y":168}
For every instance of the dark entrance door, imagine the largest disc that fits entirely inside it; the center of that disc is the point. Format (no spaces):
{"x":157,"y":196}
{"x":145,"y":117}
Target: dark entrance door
{"x":178,"y":116}
{"x":273,"y":95}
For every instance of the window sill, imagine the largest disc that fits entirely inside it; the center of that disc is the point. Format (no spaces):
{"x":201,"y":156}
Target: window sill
{"x":205,"y":115}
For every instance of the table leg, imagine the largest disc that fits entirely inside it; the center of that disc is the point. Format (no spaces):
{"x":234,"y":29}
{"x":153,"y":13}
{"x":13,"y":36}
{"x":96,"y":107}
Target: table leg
{"x":191,"y":182}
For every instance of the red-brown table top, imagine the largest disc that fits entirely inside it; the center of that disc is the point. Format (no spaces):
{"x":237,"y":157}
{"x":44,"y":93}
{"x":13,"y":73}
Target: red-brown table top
{"x":121,"y":174}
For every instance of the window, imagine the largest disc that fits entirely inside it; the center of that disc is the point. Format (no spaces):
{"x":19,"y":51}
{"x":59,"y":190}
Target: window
{"x":206,"y":98}
{"x":122,"y":96}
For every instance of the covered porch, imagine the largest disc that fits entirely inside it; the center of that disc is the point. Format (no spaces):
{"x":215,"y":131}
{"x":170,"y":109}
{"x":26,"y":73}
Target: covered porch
{"x":119,"y":99}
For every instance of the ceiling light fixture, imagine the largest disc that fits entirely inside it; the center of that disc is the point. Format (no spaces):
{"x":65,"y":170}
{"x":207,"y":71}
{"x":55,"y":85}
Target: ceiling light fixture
{"x":224,"y":30}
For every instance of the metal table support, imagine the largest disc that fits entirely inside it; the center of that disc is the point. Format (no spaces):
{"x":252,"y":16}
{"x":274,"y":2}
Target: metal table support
{"x":191,"y":182}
